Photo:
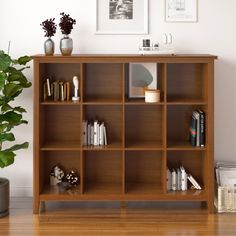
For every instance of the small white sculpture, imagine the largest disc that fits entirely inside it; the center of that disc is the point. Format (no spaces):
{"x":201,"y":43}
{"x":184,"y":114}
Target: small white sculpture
{"x":76,"y":89}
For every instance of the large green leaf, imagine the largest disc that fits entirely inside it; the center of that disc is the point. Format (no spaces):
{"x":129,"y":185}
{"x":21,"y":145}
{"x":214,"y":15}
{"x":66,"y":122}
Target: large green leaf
{"x":11,"y":117}
{"x":16,"y":147}
{"x":6,"y":158}
{"x":19,"y":109}
{"x":24,"y":60}
{"x":7,"y":137}
{"x":3,"y":78}
{"x":5,"y":61}
{"x":6,"y":107}
{"x":11,"y":89}
{"x":3,"y":127}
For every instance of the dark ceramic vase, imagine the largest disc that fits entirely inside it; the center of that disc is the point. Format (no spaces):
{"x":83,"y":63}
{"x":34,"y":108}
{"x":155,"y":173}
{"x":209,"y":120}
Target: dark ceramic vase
{"x":4,"y":197}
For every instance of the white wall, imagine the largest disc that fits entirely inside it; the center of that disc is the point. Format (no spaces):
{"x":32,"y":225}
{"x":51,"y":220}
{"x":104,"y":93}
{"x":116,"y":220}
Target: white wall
{"x":214,"y":33}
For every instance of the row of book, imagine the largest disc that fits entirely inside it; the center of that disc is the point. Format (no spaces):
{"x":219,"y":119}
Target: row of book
{"x":56,"y":90}
{"x":94,"y":133}
{"x":177,"y":180}
{"x":197,"y":129}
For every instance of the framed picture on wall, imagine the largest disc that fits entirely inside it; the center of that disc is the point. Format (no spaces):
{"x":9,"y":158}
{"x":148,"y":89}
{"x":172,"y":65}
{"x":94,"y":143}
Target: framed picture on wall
{"x":142,"y":76}
{"x":181,"y":10}
{"x":121,"y":16}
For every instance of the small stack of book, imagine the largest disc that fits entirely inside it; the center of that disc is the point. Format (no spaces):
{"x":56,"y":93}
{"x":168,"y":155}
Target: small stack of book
{"x":197,"y":129}
{"x":94,"y":133}
{"x":56,"y":90}
{"x":177,"y":180}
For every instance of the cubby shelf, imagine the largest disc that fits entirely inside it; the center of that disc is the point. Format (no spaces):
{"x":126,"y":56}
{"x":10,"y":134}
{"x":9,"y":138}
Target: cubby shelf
{"x":143,"y":138}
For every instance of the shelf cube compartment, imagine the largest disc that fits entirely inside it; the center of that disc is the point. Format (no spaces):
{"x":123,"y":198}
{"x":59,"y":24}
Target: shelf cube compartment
{"x":103,"y":82}
{"x":143,"y":172}
{"x":144,"y":126}
{"x":194,"y":162}
{"x":58,"y":72}
{"x":112,"y":116}
{"x":60,"y":127}
{"x":187,"y":82}
{"x":66,"y":160}
{"x":178,"y":125}
{"x":102,"y":172}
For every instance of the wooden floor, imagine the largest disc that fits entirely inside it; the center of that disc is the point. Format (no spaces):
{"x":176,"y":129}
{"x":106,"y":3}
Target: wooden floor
{"x":109,"y":219}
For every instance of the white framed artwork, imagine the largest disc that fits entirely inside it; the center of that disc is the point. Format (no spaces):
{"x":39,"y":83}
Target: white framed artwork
{"x":142,"y":76}
{"x":181,"y":11}
{"x":121,"y":16}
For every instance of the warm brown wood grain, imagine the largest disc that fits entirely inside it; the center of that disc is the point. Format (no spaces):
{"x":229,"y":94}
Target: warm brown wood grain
{"x":142,"y":138}
{"x":137,"y":219}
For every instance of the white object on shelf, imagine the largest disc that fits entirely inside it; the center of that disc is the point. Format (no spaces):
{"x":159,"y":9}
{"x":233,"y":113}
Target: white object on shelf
{"x":165,"y":49}
{"x":152,"y":95}
{"x":76,"y":89}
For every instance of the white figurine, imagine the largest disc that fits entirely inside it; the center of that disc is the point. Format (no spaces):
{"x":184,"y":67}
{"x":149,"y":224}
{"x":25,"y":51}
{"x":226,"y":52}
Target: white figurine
{"x":76,"y":89}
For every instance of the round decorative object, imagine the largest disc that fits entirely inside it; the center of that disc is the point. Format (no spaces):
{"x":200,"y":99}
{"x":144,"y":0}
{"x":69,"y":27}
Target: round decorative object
{"x":56,"y":175}
{"x":152,"y":95}
{"x":66,"y":45}
{"x":49,"y":47}
{"x":4,"y":197}
{"x":72,"y":178}
{"x":63,"y":186}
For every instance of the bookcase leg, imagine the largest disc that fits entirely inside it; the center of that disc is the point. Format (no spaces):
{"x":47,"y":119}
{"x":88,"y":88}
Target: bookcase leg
{"x":211,"y":207}
{"x":122,"y":204}
{"x":43,"y":206}
{"x":36,"y":207}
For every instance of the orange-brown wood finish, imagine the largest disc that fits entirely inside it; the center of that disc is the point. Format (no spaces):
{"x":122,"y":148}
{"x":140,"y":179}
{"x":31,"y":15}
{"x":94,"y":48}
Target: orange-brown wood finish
{"x":143,"y":139}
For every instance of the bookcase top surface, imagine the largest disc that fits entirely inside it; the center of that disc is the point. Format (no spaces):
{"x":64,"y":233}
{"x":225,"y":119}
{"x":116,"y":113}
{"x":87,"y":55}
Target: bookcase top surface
{"x":125,"y":56}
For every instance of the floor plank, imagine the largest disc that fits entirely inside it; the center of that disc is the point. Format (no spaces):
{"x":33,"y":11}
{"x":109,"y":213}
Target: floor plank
{"x":106,"y":219}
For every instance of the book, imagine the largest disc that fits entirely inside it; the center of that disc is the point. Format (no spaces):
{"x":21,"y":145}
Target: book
{"x":105,"y":135}
{"x":178,"y":179}
{"x":173,"y":180}
{"x":184,"y":178}
{"x":85,"y":139}
{"x":89,"y":135}
{"x":197,"y":116}
{"x":168,"y":179}
{"x":202,"y":128}
{"x":92,"y":135}
{"x":101,"y":134}
{"x":96,"y":133}
{"x":194,"y":182}
{"x":193,"y":130}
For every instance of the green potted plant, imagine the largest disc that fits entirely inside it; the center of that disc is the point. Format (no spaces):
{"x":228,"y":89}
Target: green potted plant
{"x":12,"y":83}
{"x":66,"y":25}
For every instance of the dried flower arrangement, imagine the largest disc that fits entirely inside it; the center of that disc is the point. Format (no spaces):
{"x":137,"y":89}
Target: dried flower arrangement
{"x":66,"y":23}
{"x":49,"y":27}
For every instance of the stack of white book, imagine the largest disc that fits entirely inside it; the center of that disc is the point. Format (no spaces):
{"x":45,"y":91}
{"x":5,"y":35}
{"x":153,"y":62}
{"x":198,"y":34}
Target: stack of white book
{"x":177,"y":180}
{"x":94,"y":133}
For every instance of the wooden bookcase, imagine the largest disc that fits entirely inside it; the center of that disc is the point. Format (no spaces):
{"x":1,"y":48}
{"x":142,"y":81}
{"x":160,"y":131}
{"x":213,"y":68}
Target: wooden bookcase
{"x":143,"y":138}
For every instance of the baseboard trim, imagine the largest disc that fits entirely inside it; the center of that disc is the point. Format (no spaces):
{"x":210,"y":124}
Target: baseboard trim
{"x":21,"y":191}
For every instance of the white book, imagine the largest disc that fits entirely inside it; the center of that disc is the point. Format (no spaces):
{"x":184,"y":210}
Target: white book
{"x":194,"y":182}
{"x":173,"y":180}
{"x":89,"y":134}
{"x":101,"y":134}
{"x":184,"y":179}
{"x":92,"y":135}
{"x":168,"y":179}
{"x":96,"y":133}
{"x":178,"y":179}
{"x":105,"y":135}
